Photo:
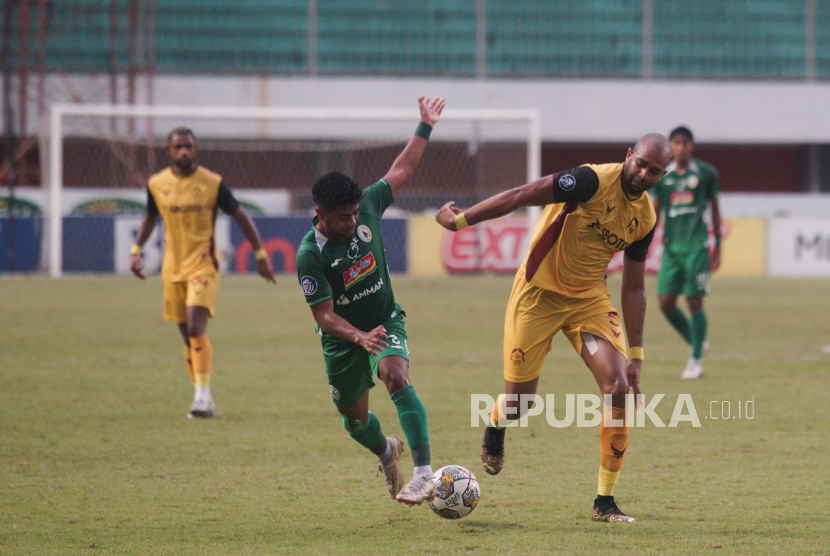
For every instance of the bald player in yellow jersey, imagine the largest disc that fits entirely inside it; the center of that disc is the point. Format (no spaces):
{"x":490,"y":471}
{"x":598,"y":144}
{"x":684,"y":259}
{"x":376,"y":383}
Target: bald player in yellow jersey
{"x":186,"y":196}
{"x":591,"y":212}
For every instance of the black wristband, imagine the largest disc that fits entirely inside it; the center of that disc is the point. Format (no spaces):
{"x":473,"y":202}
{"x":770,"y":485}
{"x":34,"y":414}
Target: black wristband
{"x":424,"y":129}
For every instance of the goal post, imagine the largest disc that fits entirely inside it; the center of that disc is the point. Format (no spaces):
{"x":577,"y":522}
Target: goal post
{"x":238,"y":129}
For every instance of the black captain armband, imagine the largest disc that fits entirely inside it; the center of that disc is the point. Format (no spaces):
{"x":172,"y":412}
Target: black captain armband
{"x":423,"y":130}
{"x":575,"y":185}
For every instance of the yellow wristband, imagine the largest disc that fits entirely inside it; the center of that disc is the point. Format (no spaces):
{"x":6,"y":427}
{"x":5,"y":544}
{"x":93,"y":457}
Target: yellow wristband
{"x":637,"y":353}
{"x":260,"y":254}
{"x":135,"y":250}
{"x":460,"y":221}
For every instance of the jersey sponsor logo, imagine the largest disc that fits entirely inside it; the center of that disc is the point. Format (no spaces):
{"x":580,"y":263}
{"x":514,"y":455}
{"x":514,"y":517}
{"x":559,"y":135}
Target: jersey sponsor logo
{"x":335,"y":393}
{"x":186,"y":208}
{"x":364,"y":233}
{"x":343,"y":300}
{"x":309,"y":285}
{"x":354,"y":250}
{"x":567,"y":182}
{"x":682,"y":197}
{"x":368,"y":291}
{"x":680,"y":211}
{"x":360,"y":270}
{"x":613,"y":240}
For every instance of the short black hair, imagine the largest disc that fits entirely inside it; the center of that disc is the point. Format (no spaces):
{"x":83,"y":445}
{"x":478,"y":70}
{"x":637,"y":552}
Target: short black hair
{"x":181,"y":130}
{"x":336,"y":189}
{"x":682,"y":130}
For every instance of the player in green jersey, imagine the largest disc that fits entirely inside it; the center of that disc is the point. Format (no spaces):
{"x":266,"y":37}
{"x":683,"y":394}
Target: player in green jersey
{"x":341,"y":266}
{"x":683,"y":195}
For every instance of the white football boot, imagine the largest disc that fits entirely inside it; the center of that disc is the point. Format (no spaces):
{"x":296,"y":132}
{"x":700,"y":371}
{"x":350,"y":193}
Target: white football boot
{"x":419,"y":489}
{"x":693,"y":370}
{"x":203,"y":408}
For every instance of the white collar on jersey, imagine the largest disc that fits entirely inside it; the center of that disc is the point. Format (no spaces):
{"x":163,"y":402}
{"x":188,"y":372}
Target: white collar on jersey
{"x":321,"y":239}
{"x":692,"y":166}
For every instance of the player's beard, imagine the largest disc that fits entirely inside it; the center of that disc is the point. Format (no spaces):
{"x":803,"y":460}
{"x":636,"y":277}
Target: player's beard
{"x":185,"y":164}
{"x":628,"y":184}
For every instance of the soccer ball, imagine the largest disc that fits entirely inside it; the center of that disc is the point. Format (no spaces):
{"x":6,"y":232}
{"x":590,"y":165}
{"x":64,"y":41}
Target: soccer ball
{"x":456,"y":492}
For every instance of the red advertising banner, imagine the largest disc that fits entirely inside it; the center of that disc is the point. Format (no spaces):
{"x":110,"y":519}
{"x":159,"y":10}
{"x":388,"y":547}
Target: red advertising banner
{"x":501,"y":245}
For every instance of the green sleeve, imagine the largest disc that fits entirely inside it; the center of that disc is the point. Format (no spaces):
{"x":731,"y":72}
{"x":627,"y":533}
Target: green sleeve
{"x":312,"y":278}
{"x":377,"y":198}
{"x":714,"y":183}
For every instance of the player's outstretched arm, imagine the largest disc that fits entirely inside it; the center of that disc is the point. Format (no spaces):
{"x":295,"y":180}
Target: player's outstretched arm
{"x":263,"y":263}
{"x":404,"y":166}
{"x":330,"y":323}
{"x":141,"y":238}
{"x":537,"y":193}
{"x":633,"y":297}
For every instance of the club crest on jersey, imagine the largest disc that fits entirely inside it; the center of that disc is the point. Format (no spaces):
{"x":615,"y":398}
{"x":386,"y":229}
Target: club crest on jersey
{"x":309,"y":285}
{"x":692,"y":182}
{"x":360,"y":270}
{"x":567,"y":182}
{"x":364,"y":233}
{"x":335,"y":393}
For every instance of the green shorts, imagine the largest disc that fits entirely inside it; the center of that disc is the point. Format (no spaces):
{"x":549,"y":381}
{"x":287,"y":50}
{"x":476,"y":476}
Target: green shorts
{"x":350,"y":367}
{"x":686,"y":274}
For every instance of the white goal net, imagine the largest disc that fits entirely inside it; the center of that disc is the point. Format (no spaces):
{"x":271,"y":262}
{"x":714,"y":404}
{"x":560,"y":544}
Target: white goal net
{"x":100,"y":157}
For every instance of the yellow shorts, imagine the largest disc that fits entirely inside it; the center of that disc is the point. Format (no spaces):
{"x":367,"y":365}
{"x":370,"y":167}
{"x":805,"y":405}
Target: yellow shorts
{"x":535,"y":315}
{"x":199,"y":292}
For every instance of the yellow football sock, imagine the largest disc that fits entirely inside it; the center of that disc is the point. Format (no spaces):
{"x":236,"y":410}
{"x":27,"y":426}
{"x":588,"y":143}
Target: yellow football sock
{"x":494,"y":415}
{"x":189,"y":363}
{"x":201,"y":354}
{"x":613,"y":443}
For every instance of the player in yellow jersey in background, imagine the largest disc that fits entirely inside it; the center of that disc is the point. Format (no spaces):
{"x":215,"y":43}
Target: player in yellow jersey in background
{"x":186,"y":196}
{"x":591,"y":212}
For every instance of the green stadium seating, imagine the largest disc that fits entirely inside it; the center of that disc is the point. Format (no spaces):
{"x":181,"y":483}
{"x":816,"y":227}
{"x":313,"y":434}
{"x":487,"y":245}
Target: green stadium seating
{"x":757,"y":39}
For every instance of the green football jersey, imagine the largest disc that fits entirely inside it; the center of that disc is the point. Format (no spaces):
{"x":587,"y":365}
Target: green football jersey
{"x":683,"y":199}
{"x":353,"y":273}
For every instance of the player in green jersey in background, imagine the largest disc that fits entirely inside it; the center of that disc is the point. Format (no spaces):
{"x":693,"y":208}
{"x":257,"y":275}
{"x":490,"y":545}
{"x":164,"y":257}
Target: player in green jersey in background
{"x":683,"y":195}
{"x":341,"y":266}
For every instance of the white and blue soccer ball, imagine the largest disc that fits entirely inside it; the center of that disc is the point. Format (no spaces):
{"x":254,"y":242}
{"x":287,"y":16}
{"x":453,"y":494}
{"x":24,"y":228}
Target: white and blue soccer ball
{"x":456,"y":492}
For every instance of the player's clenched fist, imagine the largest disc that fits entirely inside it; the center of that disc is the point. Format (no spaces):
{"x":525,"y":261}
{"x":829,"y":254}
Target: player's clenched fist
{"x":446,"y":216}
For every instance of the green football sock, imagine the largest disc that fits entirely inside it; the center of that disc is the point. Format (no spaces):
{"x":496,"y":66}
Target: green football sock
{"x":698,"y":333}
{"x":369,"y":435}
{"x":680,"y":323}
{"x":413,"y":419}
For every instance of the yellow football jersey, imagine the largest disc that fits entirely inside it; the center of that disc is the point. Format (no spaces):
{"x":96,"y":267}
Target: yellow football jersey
{"x":574,"y":240}
{"x":187,"y":205}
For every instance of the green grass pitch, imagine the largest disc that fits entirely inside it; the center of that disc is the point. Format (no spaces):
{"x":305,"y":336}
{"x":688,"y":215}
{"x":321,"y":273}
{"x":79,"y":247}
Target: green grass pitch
{"x":97,"y":457}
